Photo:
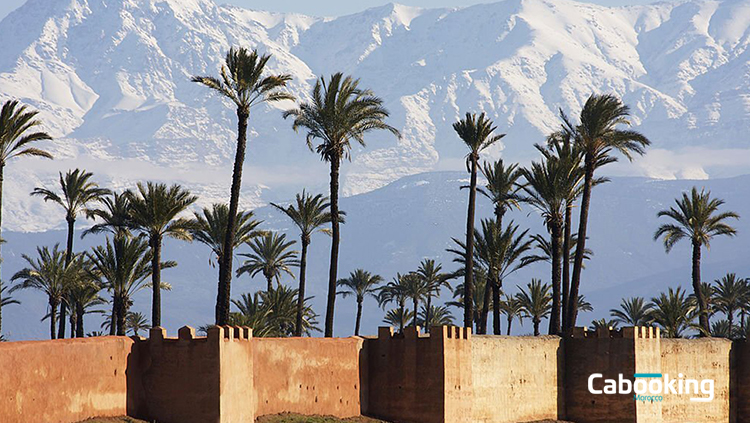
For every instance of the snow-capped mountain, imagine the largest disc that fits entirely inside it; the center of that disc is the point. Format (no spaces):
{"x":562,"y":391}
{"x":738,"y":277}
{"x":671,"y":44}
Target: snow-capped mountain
{"x":111,"y":78}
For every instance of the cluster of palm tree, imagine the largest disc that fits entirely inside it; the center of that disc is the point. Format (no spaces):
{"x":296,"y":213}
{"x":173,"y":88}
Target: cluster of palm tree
{"x":678,"y":313}
{"x":552,"y":186}
{"x":339,"y":113}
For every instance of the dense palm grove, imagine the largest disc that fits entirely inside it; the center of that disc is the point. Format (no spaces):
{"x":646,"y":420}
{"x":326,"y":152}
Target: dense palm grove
{"x":559,"y":186}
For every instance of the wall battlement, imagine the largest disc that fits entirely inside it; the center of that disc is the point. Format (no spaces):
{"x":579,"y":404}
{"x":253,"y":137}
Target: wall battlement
{"x":446,"y":375}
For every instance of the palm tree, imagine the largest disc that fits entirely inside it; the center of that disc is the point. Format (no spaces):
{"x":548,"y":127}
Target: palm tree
{"x":535,"y":302}
{"x":548,"y":187}
{"x":730,"y":294}
{"x":480,"y":281}
{"x":271,"y":257}
{"x":154,"y":209}
{"x":136,"y":321}
{"x":696,"y":218}
{"x":416,"y":290}
{"x":123,"y":266}
{"x":78,"y":192}
{"x":435,"y":280}
{"x":114,"y":215}
{"x":360,"y":283}
{"x":395,"y":292}
{"x":673,"y":311}
{"x":435,"y":316}
{"x":596,"y":136}
{"x":5,"y":300}
{"x":84,"y":294}
{"x":340,"y":112}
{"x":476,"y":133}
{"x":210,"y":225}
{"x":17,"y":137}
{"x":48,"y":274}
{"x":512,"y":308}
{"x":398,"y":317}
{"x":708,"y":291}
{"x":282,"y":305}
{"x":603,"y":324}
{"x":310,"y":214}
{"x":632,"y":312}
{"x":243,"y":83}
{"x":723,"y":329}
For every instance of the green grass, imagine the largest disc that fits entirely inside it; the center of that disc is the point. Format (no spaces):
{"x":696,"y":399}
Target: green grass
{"x":296,"y":418}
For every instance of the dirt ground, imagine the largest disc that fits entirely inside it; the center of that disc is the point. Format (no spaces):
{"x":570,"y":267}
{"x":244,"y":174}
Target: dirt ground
{"x":296,"y":418}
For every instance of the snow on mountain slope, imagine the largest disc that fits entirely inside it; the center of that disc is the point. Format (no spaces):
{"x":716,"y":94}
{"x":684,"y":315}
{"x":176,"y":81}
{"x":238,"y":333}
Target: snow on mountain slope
{"x":111,"y":78}
{"x":391,"y":229}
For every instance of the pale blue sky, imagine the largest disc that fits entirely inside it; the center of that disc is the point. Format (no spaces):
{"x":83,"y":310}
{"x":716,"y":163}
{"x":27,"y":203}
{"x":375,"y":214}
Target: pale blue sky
{"x":333,"y":7}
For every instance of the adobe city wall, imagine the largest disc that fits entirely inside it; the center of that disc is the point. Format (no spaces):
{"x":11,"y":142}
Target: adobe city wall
{"x":446,"y":376}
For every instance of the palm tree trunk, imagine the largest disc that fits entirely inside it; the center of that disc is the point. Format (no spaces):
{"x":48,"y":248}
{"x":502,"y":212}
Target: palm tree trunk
{"x":333,"y":271}
{"x":68,"y":257}
{"x":469,"y":271}
{"x":402,"y":307}
{"x":359,"y":317}
{"x":568,"y":230}
{"x":113,"y":319}
{"x":225,"y":264}
{"x":122,"y":311}
{"x":156,"y":280}
{"x":269,"y":283}
{"x":554,"y":323}
{"x":536,"y":326}
{"x":485,"y":306}
{"x":428,"y":304}
{"x":416,"y":309}
{"x":496,"y":309}
{"x":730,"y":319}
{"x":79,"y":320}
{"x":510,"y":322}
{"x":301,"y":293}
{"x":72,"y":320}
{"x":575,"y":280}
{"x":52,"y":318}
{"x":703,"y":317}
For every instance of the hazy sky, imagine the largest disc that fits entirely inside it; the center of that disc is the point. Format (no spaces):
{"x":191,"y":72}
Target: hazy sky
{"x":333,"y":7}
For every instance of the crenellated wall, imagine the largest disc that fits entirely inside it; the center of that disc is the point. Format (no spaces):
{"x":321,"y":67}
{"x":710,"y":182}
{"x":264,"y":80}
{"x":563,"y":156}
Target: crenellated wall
{"x":447,"y":376}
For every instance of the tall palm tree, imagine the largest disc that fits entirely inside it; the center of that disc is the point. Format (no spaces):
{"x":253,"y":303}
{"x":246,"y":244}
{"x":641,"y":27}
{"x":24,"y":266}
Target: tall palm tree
{"x":360,"y":283}
{"x":5,"y":300}
{"x":154,"y":208}
{"x":548,"y":187}
{"x":730,"y":294}
{"x":243,"y":83}
{"x":48,"y":274}
{"x":502,"y":189}
{"x":597,"y":136}
{"x":632,"y":312}
{"x":271,"y":256}
{"x":123,"y":266}
{"x":395,"y":292}
{"x":416,"y":290}
{"x":436,"y":316}
{"x":536,"y":302}
{"x":673,"y":311}
{"x":18,"y":135}
{"x":310,"y":214}
{"x":339,"y":112}
{"x":78,"y":193}
{"x":83,"y":293}
{"x":433,"y":277}
{"x":136,"y":322}
{"x":696,"y":218}
{"x":512,"y":308}
{"x":476,"y":133}
{"x":480,"y":281}
{"x":114,"y":215}
{"x":210,"y":225}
